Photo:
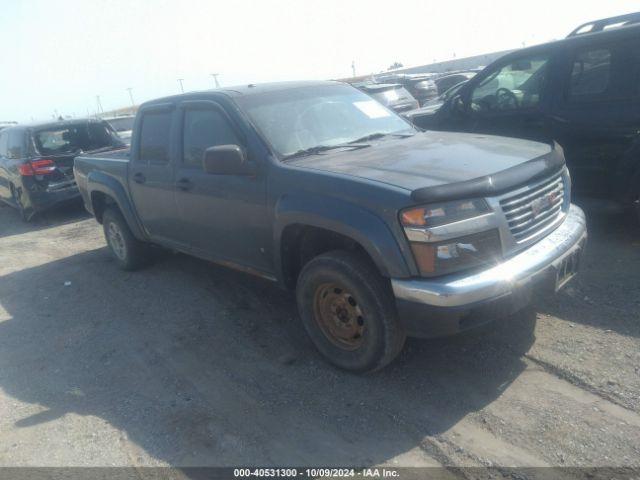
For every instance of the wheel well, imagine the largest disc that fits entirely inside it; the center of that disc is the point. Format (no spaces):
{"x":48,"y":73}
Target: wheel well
{"x":99,"y":203}
{"x":301,"y":243}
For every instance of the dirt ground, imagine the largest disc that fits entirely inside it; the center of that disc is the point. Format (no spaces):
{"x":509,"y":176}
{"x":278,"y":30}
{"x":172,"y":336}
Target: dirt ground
{"x":186,"y":363}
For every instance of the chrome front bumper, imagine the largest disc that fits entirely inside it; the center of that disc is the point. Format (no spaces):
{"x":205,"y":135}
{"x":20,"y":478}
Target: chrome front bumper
{"x":503,"y":279}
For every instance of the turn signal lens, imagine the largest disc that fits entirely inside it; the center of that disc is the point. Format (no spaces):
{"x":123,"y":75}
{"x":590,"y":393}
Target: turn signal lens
{"x":443,"y":213}
{"x":414,"y":217}
{"x":425,"y":256}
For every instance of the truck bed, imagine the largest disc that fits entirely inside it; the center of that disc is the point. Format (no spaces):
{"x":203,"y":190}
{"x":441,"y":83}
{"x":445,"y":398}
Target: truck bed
{"x":111,"y":164}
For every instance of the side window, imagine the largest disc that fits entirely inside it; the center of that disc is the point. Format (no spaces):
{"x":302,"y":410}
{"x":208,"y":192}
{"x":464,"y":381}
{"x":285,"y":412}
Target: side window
{"x":204,"y":128}
{"x":514,"y":86}
{"x":15,"y":144}
{"x":155,"y":137}
{"x":590,"y":74}
{"x":3,"y":143}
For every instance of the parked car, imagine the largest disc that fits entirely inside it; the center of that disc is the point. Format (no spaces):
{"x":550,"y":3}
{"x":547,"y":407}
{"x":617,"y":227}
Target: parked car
{"x":431,"y":106}
{"x":383,"y":231}
{"x":582,"y":91}
{"x":391,"y":95}
{"x":122,"y":124}
{"x":421,"y":86}
{"x":36,"y":161}
{"x":447,"y":81}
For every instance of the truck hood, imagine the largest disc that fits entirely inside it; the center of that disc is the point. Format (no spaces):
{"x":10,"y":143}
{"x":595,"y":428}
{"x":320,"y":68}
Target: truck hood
{"x":442,"y":162}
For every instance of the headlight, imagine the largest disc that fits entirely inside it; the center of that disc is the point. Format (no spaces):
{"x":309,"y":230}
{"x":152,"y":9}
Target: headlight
{"x":441,"y":257}
{"x":450,"y":256}
{"x":441,"y":213}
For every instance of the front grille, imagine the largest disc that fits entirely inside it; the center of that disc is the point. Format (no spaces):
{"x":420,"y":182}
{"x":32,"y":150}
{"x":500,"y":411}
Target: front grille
{"x":531,"y":210}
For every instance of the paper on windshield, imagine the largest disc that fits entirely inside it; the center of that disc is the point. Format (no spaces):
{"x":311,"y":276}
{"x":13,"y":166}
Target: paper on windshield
{"x":372,"y":109}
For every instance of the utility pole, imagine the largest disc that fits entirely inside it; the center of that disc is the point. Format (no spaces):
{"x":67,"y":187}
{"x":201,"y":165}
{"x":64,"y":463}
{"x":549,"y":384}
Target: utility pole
{"x":215,"y":79}
{"x":133,"y":104}
{"x":353,"y":67}
{"x":180,"y":80}
{"x":100,"y":109}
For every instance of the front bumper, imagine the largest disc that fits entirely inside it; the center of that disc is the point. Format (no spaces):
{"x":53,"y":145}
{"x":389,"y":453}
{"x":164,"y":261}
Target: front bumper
{"x":433,"y":307}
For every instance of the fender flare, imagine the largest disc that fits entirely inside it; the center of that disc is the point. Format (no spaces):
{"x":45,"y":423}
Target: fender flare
{"x":344,"y":218}
{"x":101,"y":182}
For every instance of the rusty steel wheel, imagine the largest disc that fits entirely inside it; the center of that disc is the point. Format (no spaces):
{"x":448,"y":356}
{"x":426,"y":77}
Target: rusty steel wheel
{"x":339,"y":316}
{"x":349,"y":312}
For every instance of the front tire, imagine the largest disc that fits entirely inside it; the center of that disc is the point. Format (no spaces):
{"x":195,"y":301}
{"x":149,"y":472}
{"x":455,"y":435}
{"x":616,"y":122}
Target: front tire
{"x":128,"y":252}
{"x":349,"y":312}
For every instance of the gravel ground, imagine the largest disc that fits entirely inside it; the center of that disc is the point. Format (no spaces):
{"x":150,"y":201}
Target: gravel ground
{"x":190,"y":364}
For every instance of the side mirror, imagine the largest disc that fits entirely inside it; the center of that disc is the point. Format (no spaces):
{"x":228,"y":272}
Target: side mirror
{"x":226,"y":160}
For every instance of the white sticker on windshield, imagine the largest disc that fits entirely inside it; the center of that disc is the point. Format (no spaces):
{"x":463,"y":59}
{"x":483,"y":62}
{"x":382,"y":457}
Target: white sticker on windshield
{"x":372,"y":109}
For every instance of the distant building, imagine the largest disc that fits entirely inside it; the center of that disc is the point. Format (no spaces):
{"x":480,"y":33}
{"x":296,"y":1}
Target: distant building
{"x":119,"y":112}
{"x":456,"y":64}
{"x":440,"y":67}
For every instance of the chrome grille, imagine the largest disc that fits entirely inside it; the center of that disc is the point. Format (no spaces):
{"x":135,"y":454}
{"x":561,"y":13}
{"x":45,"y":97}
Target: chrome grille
{"x":531,"y":210}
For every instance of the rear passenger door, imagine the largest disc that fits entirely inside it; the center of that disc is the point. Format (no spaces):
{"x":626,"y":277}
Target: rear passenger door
{"x":223,"y":216}
{"x":151,"y":180}
{"x":595,"y":118}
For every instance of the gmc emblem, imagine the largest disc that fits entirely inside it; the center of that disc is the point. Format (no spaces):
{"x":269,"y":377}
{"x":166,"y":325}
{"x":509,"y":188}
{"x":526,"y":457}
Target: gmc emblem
{"x":543,"y":203}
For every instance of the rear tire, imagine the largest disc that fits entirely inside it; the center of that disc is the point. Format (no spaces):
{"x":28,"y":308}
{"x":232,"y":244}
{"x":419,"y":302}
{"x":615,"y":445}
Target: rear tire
{"x":128,"y":252}
{"x":349,"y":312}
{"x":25,"y":215}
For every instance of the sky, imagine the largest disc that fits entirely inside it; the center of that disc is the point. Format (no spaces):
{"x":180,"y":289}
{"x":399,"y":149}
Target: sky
{"x":58,"y":55}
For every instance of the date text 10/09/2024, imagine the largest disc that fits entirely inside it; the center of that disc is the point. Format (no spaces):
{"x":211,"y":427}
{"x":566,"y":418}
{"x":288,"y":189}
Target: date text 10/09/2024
{"x":315,"y":473}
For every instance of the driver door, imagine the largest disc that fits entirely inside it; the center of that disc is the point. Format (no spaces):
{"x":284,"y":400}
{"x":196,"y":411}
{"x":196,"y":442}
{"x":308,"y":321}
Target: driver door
{"x":512,"y":99}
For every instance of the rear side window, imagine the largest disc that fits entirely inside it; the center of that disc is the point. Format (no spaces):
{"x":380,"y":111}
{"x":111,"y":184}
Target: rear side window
{"x":74,"y":138}
{"x":590,"y":74}
{"x":15,"y":146}
{"x":154,"y":137}
{"x":204,"y":129}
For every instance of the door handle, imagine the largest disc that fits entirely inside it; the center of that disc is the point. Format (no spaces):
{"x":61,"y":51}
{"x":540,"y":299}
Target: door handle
{"x":184,"y":184}
{"x":139,"y":178}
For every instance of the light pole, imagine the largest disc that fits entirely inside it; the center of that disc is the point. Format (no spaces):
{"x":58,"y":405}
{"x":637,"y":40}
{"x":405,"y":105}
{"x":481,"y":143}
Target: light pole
{"x":100,"y":109}
{"x":133,"y":104}
{"x":353,"y":67}
{"x":215,"y":79}
{"x":180,"y":80}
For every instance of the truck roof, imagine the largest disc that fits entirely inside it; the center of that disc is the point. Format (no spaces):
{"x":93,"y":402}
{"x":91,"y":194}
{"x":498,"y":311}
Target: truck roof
{"x":246,"y":90}
{"x":574,"y":39}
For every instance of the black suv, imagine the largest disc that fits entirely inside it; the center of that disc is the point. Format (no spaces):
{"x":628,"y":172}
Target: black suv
{"x":36,"y":161}
{"x":582,"y":92}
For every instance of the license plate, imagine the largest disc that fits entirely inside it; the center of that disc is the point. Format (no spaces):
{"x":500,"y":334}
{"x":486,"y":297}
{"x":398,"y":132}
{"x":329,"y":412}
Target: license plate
{"x":567,"y":268}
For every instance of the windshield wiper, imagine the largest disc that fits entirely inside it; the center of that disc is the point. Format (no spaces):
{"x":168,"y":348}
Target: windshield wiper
{"x":321,"y":148}
{"x":374,"y":136}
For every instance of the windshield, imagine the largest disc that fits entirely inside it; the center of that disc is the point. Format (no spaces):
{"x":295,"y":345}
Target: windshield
{"x":72,"y":138}
{"x":304,"y":118}
{"x":123,"y":124}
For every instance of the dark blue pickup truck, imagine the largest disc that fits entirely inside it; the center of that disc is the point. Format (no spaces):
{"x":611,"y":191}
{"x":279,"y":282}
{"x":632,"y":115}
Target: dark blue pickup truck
{"x":383,"y":231}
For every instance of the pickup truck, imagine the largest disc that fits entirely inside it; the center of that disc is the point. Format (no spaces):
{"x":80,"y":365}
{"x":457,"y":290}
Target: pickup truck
{"x":383,"y":230}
